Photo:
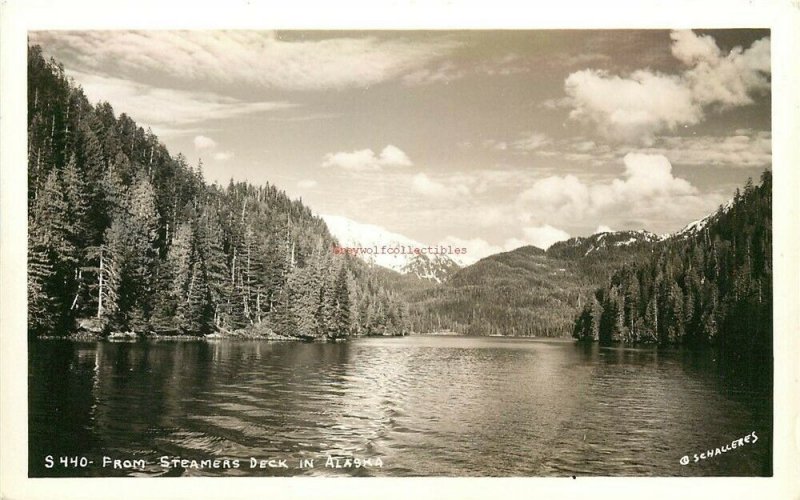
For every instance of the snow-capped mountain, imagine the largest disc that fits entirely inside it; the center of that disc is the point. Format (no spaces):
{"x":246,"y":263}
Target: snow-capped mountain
{"x":394,"y":251}
{"x":582,"y":246}
{"x":698,"y":225}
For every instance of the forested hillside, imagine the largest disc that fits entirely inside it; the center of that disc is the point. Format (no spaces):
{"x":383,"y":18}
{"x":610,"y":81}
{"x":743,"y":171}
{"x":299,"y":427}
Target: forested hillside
{"x":527,"y":291}
{"x":125,"y":234}
{"x":710,"y":285}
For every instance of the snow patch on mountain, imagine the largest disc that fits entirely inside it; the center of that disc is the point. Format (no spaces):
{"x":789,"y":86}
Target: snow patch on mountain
{"x":695,"y":227}
{"x":376,"y":245}
{"x":599,"y":241}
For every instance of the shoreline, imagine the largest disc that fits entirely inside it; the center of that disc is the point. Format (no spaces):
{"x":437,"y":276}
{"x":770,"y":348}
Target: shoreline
{"x":272,"y":337}
{"x":135,"y":337}
{"x":132,"y":337}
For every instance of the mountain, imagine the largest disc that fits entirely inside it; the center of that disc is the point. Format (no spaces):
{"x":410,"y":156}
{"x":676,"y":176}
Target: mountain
{"x":523,"y":292}
{"x":697,"y":226}
{"x":710,"y":283}
{"x":529,"y":291}
{"x":375,"y":245}
{"x":583,"y":246}
{"x":125,"y":236}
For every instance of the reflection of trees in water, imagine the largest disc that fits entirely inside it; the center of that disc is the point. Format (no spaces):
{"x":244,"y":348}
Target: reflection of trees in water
{"x":705,"y":394}
{"x":203,"y":399}
{"x":420,"y":406}
{"x":61,"y":402}
{"x":743,"y":377}
{"x":133,"y":380}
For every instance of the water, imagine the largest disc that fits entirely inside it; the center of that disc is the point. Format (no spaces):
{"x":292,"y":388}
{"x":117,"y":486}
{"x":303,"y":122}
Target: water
{"x":423,"y":406}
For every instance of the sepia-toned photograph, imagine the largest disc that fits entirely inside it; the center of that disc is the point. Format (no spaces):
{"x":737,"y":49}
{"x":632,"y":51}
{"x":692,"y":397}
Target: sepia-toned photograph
{"x":448,"y":251}
{"x":386,"y":253}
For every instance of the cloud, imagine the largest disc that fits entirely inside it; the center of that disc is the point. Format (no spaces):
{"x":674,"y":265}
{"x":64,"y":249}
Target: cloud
{"x":631,"y":108}
{"x":447,"y":71}
{"x":574,"y":149}
{"x":307,"y":184}
{"x":168,"y":108}
{"x":531,"y":142}
{"x":636,"y":107}
{"x":393,"y":156}
{"x":360,"y":160}
{"x":647,"y":190}
{"x":223,"y":155}
{"x":304,"y":118}
{"x":509,"y":64}
{"x":539,"y":236}
{"x":644,"y":194}
{"x":426,"y":186}
{"x":443,"y":73}
{"x":203,"y":142}
{"x":494,"y":144}
{"x":477,"y":248}
{"x":690,"y":48}
{"x":527,"y":142}
{"x":602,"y":228}
{"x":746,"y":149}
{"x":260,"y":59}
{"x":724,"y":80}
{"x":648,"y":186}
{"x":556,"y":103}
{"x":584,"y":58}
{"x":565,"y":196}
{"x":580,"y":150}
{"x":365,"y":160}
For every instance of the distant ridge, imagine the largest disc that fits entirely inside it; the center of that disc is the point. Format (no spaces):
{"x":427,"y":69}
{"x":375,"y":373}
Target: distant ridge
{"x":372,"y":239}
{"x":532,"y":292}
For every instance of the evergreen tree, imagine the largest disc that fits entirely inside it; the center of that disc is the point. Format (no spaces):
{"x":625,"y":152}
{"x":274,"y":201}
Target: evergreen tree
{"x":713,"y":287}
{"x":340,"y":306}
{"x":123,"y":232}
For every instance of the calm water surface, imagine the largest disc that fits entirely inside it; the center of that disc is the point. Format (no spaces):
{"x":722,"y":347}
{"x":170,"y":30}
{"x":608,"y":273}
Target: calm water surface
{"x":441,"y":406}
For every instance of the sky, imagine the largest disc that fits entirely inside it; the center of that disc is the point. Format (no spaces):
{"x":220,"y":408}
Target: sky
{"x":488,"y":140}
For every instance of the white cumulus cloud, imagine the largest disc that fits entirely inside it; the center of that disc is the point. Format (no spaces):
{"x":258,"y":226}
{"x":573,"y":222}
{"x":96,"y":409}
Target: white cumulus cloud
{"x":426,"y":186}
{"x":724,"y":80}
{"x":539,"y":236}
{"x":542,"y":236}
{"x":636,"y":107}
{"x":647,"y":190}
{"x":564,"y":196}
{"x":223,"y":155}
{"x":203,"y":142}
{"x":631,"y":108}
{"x":691,"y":48}
{"x":477,"y":248}
{"x":366,"y":159}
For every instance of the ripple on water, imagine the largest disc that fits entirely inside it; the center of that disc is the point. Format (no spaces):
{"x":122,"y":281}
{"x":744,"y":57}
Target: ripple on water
{"x":425,"y":405}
